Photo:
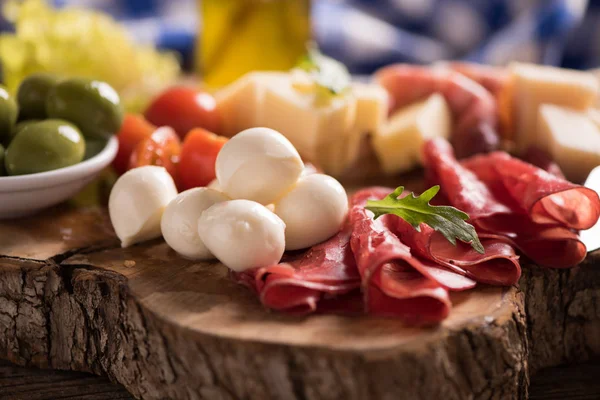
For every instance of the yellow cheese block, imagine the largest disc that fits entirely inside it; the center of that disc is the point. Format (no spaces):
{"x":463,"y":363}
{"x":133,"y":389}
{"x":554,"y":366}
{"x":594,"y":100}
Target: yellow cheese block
{"x":372,"y":105}
{"x":534,"y":85}
{"x":240,"y":104}
{"x":571,"y":138}
{"x":398,"y":142}
{"x":371,"y":112}
{"x":304,"y":120}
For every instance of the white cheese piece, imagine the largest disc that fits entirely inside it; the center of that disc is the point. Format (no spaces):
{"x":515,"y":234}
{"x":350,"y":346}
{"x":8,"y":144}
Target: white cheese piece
{"x":571,"y":138}
{"x":258,"y":164}
{"x":214,"y":184}
{"x":241,"y":103}
{"x":242,"y":234}
{"x":303,"y":120}
{"x":534,"y":85}
{"x":371,"y":106}
{"x":137,"y":202}
{"x":179,"y":223}
{"x":594,"y":115}
{"x":313,"y":211}
{"x":398,"y":142}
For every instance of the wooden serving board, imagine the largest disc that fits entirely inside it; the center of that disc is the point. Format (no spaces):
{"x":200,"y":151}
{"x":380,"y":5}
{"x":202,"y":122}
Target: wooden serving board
{"x":167,"y":327}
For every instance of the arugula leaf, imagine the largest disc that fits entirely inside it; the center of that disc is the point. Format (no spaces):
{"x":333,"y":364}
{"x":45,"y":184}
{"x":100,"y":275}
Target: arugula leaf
{"x":449,"y":221}
{"x":329,"y":74}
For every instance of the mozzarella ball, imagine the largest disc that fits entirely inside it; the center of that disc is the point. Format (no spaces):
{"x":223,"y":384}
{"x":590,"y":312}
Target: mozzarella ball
{"x":137,"y":202}
{"x":242,"y":234}
{"x":214,"y":184}
{"x":258,"y":164}
{"x":179,"y":222}
{"x":313,"y":211}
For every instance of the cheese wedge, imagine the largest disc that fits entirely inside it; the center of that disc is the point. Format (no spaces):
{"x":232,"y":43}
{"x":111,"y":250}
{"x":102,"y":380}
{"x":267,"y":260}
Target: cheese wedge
{"x":371,"y":112}
{"x":534,"y":85}
{"x":240,"y":104}
{"x":571,"y":138}
{"x":398,"y":142}
{"x":307,"y":123}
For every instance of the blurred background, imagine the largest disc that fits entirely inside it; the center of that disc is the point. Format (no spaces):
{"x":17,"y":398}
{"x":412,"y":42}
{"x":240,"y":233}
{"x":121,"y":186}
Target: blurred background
{"x":225,"y":38}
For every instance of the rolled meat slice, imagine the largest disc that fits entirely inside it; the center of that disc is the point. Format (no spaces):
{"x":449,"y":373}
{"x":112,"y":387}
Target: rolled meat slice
{"x":394,"y":281}
{"x":305,"y":279}
{"x":488,"y":190}
{"x":473,"y":107}
{"x":545,"y":197}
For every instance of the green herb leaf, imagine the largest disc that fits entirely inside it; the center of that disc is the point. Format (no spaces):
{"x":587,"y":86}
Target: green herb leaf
{"x":329,"y":74}
{"x":449,"y":221}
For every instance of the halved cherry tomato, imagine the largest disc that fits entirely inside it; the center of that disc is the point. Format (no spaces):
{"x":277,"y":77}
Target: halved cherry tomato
{"x":198,"y":156}
{"x":162,"y":148}
{"x":134,"y":129}
{"x":184,"y":109}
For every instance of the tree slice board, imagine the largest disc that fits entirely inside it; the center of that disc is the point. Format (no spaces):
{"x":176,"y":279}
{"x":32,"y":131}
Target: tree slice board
{"x":167,"y":327}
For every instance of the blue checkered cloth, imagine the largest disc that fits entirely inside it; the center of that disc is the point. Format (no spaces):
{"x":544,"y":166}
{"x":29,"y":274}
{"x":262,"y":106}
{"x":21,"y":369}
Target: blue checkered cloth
{"x":366,"y":34}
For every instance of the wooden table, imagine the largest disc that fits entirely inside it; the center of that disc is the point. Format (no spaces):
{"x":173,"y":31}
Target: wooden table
{"x":561,"y":383}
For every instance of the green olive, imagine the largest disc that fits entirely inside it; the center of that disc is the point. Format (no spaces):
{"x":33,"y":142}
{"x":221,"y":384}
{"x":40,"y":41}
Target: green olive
{"x":8,"y":114}
{"x":21,"y":125}
{"x":32,"y":95}
{"x":2,"y":172}
{"x":93,"y":106}
{"x":44,"y":146}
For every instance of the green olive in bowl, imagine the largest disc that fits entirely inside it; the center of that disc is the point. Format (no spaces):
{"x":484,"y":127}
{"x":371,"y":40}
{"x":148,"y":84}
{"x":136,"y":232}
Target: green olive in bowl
{"x":92,"y":105}
{"x":8,"y":114}
{"x":32,"y":94}
{"x":44,"y":146}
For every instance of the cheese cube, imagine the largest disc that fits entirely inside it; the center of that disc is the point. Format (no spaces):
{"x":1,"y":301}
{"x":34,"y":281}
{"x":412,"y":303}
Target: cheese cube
{"x":372,"y":106}
{"x":571,"y":138}
{"x":240,"y":104}
{"x":371,"y":111}
{"x":534,"y":85}
{"x":398,"y":142}
{"x":306,"y":122}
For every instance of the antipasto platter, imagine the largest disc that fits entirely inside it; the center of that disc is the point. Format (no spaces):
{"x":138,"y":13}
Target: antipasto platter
{"x":271,"y":241}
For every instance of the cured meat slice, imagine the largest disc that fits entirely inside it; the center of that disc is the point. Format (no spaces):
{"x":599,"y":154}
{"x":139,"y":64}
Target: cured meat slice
{"x":394,"y":282}
{"x":304,"y":279}
{"x":545,"y":197}
{"x":499,"y":265}
{"x":488,"y":190}
{"x":538,"y":157}
{"x":473,"y":107}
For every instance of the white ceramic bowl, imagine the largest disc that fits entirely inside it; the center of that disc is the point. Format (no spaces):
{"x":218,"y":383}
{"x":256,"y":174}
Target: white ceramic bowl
{"x":26,"y":194}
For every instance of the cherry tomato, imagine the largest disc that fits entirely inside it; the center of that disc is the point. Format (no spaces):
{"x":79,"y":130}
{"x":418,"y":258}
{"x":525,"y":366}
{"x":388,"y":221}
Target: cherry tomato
{"x":184,"y":109}
{"x":198,"y":156}
{"x":134,"y":129}
{"x":162,"y":148}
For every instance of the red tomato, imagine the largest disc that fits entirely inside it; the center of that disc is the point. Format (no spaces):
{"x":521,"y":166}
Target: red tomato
{"x":198,"y":156}
{"x":184,"y":109}
{"x":162,"y":148}
{"x":134,"y":129}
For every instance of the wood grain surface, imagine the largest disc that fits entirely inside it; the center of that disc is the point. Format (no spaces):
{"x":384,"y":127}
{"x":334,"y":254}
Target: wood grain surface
{"x":574,"y":382}
{"x":167,"y":327}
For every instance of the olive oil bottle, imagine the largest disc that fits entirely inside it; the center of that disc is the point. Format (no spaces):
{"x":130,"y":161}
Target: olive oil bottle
{"x":238,"y":36}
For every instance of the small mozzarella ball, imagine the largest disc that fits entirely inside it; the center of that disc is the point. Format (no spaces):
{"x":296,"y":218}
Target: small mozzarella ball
{"x":243,"y":234}
{"x":179,"y":222}
{"x":258,"y":164}
{"x":137,"y":202}
{"x":214,"y":184}
{"x":313,"y":211}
